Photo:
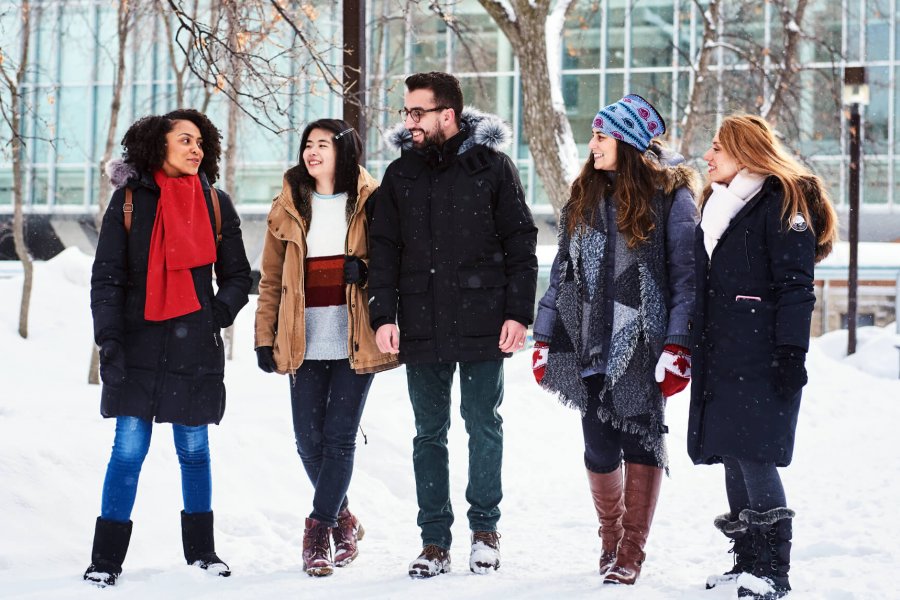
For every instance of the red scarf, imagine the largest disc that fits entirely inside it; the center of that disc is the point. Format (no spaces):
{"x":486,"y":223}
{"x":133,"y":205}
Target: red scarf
{"x":182,"y":239}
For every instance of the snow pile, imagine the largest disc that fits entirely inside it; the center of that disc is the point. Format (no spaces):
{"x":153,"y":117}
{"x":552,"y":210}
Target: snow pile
{"x":54,"y":447}
{"x":877,"y":350}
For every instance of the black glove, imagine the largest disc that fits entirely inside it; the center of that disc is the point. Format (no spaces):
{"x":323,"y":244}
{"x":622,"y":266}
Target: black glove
{"x":265,"y":359}
{"x":221,"y":314}
{"x":112,"y":363}
{"x":789,"y":366}
{"x":355,"y":270}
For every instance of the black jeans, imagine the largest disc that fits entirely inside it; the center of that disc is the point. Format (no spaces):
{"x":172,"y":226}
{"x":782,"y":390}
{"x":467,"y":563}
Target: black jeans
{"x":604,"y":445}
{"x":327,"y":401}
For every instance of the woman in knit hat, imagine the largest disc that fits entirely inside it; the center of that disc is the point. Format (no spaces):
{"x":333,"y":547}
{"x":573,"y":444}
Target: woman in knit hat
{"x":312,"y":321}
{"x":766,"y":221}
{"x":612,"y":330}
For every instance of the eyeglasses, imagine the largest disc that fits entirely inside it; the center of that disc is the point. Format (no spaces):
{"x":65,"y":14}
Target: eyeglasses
{"x":417,"y":113}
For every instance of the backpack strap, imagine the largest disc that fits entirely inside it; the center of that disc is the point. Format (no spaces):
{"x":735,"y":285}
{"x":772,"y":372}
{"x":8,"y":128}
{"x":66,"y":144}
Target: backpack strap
{"x":217,"y":212}
{"x":128,"y":209}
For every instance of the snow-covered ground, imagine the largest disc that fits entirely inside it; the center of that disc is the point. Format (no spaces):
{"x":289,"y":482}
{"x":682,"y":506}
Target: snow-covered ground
{"x":54,"y":446}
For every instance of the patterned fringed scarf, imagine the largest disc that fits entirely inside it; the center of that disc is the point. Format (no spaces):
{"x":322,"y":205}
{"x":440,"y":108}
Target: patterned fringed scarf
{"x":640,"y":320}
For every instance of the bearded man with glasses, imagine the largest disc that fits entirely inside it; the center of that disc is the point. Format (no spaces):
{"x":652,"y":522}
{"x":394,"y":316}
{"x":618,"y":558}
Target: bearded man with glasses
{"x":452,"y":262}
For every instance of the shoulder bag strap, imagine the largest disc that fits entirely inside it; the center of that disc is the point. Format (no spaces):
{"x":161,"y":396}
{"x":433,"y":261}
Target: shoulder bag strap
{"x":128,"y":209}
{"x":217,"y":212}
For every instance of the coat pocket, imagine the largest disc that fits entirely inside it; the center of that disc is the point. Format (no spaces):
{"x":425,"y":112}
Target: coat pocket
{"x":416,"y":313}
{"x":482,"y":294}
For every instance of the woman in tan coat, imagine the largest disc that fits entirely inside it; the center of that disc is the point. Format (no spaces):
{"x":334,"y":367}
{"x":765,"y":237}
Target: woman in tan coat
{"x":312,"y":322}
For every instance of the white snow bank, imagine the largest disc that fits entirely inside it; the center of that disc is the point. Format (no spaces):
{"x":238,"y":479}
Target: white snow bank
{"x":54,"y":446}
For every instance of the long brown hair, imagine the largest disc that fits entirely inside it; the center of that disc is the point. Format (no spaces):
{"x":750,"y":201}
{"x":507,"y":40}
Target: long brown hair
{"x":637,"y":178}
{"x":751,"y":142}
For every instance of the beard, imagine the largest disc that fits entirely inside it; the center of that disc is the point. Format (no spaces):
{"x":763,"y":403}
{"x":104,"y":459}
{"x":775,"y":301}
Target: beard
{"x":435,"y":137}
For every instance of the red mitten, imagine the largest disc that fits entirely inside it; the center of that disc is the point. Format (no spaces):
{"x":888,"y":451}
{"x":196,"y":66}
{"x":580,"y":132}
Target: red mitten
{"x":673,"y":369}
{"x":539,"y":360}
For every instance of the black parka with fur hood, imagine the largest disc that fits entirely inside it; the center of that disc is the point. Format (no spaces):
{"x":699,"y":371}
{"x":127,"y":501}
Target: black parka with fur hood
{"x":452,"y":245}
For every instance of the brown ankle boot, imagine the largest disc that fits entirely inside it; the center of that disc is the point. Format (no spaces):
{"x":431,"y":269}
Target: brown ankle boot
{"x":607,"y":492}
{"x":642,"y":485}
{"x":347,"y":533}
{"x":317,"y":549}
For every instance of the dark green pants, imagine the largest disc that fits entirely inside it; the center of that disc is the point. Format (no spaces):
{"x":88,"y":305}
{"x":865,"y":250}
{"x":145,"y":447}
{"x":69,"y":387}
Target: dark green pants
{"x":481,"y":390}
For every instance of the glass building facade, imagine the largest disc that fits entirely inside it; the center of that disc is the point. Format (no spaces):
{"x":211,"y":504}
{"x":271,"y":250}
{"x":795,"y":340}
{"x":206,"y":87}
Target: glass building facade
{"x":608,"y":48}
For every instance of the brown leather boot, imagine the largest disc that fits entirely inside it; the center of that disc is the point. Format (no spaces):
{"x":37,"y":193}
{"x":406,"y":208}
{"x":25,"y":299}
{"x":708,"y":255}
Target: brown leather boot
{"x":317,"y":549}
{"x":347,"y":533}
{"x":607,"y":492}
{"x":642,"y":485}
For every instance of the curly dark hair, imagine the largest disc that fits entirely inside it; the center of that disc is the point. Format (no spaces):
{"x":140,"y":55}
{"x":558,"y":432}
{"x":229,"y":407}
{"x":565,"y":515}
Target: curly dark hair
{"x":348,"y":150}
{"x":145,"y":141}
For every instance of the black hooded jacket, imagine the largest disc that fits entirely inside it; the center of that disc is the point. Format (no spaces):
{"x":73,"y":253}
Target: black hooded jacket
{"x":452,"y":245}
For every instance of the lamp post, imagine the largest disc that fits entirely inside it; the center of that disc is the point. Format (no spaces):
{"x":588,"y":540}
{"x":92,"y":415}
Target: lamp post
{"x":354,"y":83}
{"x":855,"y":93}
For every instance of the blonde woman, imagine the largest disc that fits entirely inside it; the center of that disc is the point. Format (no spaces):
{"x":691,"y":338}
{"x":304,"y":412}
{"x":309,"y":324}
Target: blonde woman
{"x":766,"y":221}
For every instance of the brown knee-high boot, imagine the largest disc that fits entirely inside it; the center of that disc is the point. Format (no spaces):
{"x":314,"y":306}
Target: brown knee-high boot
{"x":607,"y":492}
{"x":642,"y":485}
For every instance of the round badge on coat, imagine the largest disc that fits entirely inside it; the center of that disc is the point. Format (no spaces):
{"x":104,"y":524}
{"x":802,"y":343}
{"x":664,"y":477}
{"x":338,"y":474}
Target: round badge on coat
{"x":798,"y":223}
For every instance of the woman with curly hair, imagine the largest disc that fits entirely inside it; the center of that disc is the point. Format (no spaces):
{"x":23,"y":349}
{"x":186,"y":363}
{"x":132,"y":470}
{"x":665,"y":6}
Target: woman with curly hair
{"x":612,"y":330}
{"x":157,"y":321}
{"x":312,"y":321}
{"x":766,"y":221}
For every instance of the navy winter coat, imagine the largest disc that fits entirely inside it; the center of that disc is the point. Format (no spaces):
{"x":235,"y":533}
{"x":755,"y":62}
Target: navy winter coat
{"x":452,"y":247}
{"x":753,"y":294}
{"x":174,"y":368}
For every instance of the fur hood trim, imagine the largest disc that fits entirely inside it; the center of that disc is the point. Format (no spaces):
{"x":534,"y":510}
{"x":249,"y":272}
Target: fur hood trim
{"x":120,"y":172}
{"x":676,"y":171}
{"x":484,"y":129}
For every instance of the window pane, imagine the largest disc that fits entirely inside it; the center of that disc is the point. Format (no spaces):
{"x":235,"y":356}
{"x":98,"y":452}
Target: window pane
{"x":615,"y":27}
{"x":875,"y":181}
{"x":651,"y":35}
{"x":70,"y":186}
{"x":77,"y":41}
{"x":878,"y":29}
{"x":823,"y":19}
{"x":820,"y":126}
{"x":581,"y":37}
{"x":876,"y":113}
{"x":75,"y":108}
{"x":582,"y":97}
{"x":429,"y":42}
{"x":482,"y":42}
{"x":830,"y":173}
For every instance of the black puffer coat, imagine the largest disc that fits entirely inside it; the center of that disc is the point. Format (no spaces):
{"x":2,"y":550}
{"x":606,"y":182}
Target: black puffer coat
{"x":453,"y":243}
{"x":174,"y":368}
{"x":735,"y":410}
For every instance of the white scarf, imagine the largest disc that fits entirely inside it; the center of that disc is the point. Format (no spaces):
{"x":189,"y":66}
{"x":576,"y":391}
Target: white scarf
{"x":724,"y":203}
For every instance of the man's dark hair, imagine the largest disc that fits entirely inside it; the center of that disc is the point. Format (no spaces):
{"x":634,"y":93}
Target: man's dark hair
{"x":348,"y":150}
{"x":145,"y":141}
{"x":444,"y":86}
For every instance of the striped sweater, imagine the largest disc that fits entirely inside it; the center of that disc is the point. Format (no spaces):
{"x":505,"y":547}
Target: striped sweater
{"x":326,"y":303}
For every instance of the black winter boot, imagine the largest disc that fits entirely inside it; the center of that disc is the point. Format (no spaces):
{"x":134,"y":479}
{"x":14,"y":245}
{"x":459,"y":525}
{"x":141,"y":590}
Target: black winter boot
{"x":199,"y":545}
{"x":772,"y":532}
{"x":110,"y":545}
{"x":742,"y":547}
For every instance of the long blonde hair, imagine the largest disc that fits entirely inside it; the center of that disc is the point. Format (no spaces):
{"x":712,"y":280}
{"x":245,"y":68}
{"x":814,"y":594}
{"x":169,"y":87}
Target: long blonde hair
{"x":751,"y":142}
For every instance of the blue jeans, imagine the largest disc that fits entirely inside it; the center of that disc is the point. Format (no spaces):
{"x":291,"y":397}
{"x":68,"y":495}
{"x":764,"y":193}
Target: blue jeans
{"x":128,"y":453}
{"x":481,"y":392}
{"x":327,"y":401}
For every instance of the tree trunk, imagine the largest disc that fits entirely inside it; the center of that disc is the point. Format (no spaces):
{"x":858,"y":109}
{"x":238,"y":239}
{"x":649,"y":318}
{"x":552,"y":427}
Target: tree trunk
{"x":16,"y":93}
{"x":700,"y":76}
{"x":231,"y":134}
{"x":550,"y":139}
{"x":123,"y":27}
